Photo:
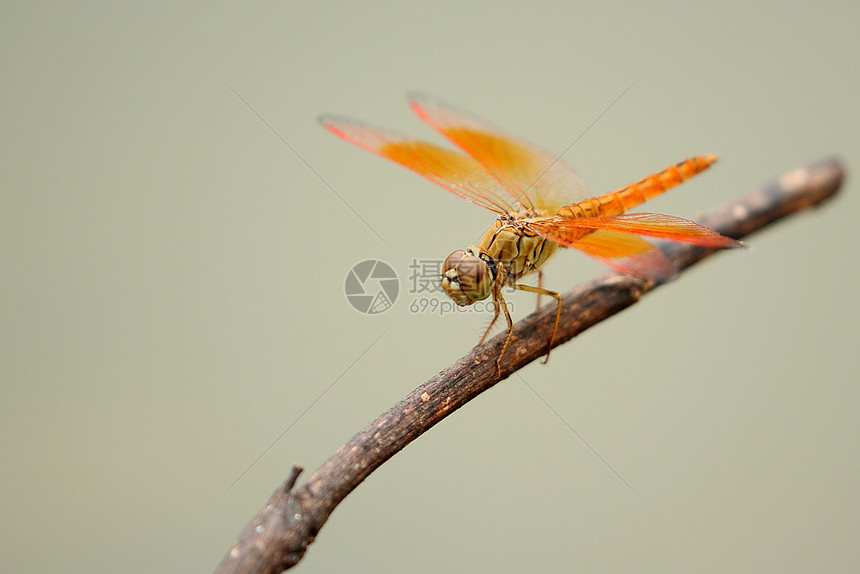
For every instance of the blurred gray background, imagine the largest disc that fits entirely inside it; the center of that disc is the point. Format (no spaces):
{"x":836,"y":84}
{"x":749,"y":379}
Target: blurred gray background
{"x":172,"y":288}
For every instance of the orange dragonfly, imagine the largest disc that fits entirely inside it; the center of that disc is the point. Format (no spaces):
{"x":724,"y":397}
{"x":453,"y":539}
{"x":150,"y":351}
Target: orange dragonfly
{"x":541,"y":204}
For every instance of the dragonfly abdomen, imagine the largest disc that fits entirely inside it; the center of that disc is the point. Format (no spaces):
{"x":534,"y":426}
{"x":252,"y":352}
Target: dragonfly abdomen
{"x":617,"y":202}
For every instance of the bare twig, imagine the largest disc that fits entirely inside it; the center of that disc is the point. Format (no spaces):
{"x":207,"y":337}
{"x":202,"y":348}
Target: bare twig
{"x":278,"y":536}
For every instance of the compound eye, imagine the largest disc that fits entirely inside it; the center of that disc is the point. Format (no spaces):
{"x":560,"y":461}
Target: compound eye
{"x":452,"y":261}
{"x":466,"y":278}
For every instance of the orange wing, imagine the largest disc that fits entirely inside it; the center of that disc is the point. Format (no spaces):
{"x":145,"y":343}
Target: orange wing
{"x":542,"y":180}
{"x":614,"y":241}
{"x":628,"y":254}
{"x":459,"y":174}
{"x":654,"y":225}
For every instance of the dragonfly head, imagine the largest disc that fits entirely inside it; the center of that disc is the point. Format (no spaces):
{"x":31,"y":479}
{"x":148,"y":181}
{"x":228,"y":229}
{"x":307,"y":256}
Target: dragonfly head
{"x":467,"y":277}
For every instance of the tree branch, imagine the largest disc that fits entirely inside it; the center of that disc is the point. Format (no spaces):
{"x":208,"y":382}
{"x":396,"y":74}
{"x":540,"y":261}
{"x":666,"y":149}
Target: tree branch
{"x":278,"y":536}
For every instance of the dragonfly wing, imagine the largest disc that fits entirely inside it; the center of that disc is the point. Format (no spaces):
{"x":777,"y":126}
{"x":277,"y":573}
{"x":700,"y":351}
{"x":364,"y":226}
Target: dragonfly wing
{"x":538,"y":179}
{"x":623,"y":252}
{"x":459,"y":174}
{"x":617,"y":241}
{"x":658,"y":226}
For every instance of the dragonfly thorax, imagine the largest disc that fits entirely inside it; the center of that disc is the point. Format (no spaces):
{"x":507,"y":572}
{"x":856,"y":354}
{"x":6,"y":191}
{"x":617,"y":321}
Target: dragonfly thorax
{"x":468,"y":277}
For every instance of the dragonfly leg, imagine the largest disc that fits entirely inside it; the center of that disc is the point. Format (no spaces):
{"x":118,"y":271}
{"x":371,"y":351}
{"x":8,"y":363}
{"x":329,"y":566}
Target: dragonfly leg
{"x":541,"y":291}
{"x":496,"y":307}
{"x":540,"y":286}
{"x":499,"y":302}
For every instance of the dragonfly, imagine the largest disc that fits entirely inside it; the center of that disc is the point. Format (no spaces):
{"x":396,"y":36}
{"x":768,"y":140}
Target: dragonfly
{"x":540,"y":203}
